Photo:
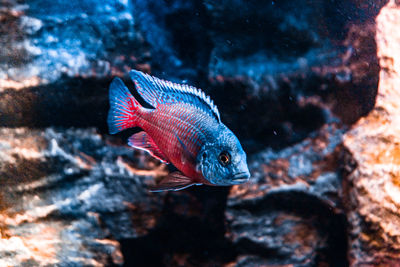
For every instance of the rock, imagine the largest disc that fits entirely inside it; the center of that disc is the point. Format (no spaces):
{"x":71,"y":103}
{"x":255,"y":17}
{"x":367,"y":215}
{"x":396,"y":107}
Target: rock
{"x":291,"y":210}
{"x":373,"y":143}
{"x":289,"y":67}
{"x":47,"y":40}
{"x":176,"y":32}
{"x":68,"y":196}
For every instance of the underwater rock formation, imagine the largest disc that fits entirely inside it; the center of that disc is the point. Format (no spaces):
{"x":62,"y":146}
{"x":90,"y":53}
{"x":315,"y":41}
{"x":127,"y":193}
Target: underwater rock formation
{"x":43,"y":41}
{"x":67,"y":197}
{"x":373,"y":188}
{"x":291,"y":210}
{"x":292,"y":80}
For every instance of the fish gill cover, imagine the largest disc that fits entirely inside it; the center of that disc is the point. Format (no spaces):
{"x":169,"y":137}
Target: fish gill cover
{"x":296,"y":81}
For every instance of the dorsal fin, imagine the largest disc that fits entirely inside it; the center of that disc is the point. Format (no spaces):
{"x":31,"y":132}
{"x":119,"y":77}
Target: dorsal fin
{"x":156,"y":91}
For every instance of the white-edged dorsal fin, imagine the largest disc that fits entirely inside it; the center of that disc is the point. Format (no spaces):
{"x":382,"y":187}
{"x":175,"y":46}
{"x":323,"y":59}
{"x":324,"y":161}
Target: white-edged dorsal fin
{"x":156,"y":91}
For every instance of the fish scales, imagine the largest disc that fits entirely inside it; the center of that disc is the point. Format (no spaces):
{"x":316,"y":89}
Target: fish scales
{"x":169,"y":126}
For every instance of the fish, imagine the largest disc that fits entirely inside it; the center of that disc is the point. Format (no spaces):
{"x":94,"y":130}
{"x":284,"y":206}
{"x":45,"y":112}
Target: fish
{"x":180,"y":126}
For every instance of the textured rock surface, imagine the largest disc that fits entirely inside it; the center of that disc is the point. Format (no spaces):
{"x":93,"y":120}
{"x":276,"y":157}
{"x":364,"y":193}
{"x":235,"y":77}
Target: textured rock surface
{"x":291,"y":211}
{"x":289,"y":79}
{"x":45,"y":40}
{"x":374,"y":143}
{"x":296,"y":63}
{"x":67,"y":196}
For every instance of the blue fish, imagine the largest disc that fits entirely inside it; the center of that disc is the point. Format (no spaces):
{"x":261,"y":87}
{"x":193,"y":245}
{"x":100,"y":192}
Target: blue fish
{"x":183,"y":127}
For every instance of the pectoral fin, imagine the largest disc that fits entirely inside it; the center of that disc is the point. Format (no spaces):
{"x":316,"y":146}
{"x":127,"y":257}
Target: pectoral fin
{"x":173,"y":182}
{"x":144,"y":142}
{"x":186,"y":154}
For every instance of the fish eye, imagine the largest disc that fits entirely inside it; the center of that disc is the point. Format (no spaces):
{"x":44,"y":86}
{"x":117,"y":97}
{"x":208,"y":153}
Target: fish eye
{"x":224,"y":158}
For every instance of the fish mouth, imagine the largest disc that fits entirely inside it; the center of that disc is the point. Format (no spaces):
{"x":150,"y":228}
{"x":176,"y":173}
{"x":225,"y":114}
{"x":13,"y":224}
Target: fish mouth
{"x":240,"y":177}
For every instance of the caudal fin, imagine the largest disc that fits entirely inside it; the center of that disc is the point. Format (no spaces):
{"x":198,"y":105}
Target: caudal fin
{"x":124,"y":108}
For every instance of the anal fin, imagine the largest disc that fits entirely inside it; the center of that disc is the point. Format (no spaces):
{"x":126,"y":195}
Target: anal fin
{"x":173,"y":182}
{"x":144,"y":142}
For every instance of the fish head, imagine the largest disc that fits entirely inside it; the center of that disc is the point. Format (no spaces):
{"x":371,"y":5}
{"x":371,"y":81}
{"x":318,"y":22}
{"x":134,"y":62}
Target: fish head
{"x":222,"y":160}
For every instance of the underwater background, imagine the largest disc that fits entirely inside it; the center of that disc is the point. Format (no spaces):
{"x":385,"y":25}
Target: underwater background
{"x":310,"y":88}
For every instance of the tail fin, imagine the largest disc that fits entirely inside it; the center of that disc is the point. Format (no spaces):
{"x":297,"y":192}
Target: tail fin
{"x":123,"y":108}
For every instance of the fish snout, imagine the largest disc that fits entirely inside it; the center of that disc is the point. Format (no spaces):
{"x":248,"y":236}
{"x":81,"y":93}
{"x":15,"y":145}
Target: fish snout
{"x":241,"y":177}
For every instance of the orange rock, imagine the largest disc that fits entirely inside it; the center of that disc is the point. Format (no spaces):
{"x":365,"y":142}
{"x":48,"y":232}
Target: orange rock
{"x":374,"y":142}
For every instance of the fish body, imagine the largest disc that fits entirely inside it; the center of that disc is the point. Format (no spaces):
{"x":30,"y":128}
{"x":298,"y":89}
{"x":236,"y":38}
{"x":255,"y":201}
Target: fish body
{"x":182,"y":128}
